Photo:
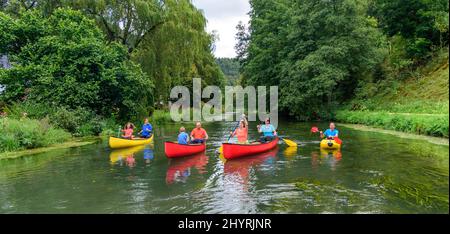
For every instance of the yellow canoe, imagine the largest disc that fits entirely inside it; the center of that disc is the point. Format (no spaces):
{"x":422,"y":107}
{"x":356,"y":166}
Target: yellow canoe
{"x":329,"y":144}
{"x":117,"y":143}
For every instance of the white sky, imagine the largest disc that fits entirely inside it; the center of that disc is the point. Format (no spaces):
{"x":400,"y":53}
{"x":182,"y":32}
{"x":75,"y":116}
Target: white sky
{"x":223,"y":16}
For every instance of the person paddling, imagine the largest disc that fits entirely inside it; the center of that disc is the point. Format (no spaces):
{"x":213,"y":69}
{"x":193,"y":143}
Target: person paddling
{"x":147,"y":129}
{"x":198,"y":134}
{"x":268,"y":130}
{"x":242,"y":131}
{"x":128,"y":131}
{"x":183,"y":137}
{"x":330,"y":133}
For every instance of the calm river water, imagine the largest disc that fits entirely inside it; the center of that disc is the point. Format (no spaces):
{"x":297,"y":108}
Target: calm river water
{"x":373,"y":173}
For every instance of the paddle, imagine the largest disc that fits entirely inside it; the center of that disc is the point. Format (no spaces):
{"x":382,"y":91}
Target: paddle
{"x":229,"y":137}
{"x":288,"y":142}
{"x":315,"y":129}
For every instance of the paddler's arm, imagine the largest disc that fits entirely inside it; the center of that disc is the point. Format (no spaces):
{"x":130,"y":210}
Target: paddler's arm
{"x":206,"y":136}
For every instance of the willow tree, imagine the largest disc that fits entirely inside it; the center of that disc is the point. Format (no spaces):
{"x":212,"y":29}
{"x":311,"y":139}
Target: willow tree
{"x":179,"y":51}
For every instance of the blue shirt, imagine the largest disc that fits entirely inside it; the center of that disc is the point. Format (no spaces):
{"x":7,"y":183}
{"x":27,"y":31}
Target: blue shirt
{"x":148,"y":154}
{"x":267,"y":130}
{"x":330,"y":133}
{"x":183,"y":138}
{"x":147,"y":130}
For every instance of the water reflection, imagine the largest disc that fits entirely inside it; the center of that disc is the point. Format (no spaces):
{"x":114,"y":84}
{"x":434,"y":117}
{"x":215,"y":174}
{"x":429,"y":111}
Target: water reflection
{"x":148,"y":155}
{"x":242,"y":167}
{"x":330,"y":157}
{"x":290,"y":152}
{"x":180,"y":168}
{"x":128,"y":155}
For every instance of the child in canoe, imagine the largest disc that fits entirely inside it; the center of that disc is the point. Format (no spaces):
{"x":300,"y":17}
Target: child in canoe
{"x":128,"y":131}
{"x":183,"y":137}
{"x":147,"y":129}
{"x":242,"y":131}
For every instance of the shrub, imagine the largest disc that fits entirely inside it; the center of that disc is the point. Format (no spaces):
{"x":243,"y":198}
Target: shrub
{"x":27,"y":134}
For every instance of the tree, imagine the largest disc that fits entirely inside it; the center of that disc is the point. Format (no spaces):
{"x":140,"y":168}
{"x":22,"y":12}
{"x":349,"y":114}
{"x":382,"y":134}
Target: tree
{"x":63,"y":60}
{"x":179,"y":51}
{"x":316,"y":51}
{"x":423,"y":23}
{"x":243,"y":38}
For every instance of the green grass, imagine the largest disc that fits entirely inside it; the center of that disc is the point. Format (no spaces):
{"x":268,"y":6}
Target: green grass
{"x":160,"y":117}
{"x":418,"y":104}
{"x":425,"y":91}
{"x":24,"y":133}
{"x":431,"y":125}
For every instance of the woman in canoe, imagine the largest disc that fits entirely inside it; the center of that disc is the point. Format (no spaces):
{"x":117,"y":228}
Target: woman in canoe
{"x":128,"y":131}
{"x":198,"y":134}
{"x":242,"y":131}
{"x":268,"y":130}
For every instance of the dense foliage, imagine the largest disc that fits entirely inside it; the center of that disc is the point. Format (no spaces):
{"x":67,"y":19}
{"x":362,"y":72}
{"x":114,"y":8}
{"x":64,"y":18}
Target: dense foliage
{"x":85,"y":65}
{"x":179,"y":51}
{"x":422,"y":23}
{"x":323,"y":54}
{"x":63,"y":60}
{"x":315,"y":51}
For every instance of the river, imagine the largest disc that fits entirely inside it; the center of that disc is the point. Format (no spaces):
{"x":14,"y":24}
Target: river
{"x":373,"y":173}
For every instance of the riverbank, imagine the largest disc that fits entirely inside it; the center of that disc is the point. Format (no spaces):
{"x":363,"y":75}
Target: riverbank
{"x":430,"y":139}
{"x":418,"y":104}
{"x":435,"y":125}
{"x":78,"y":142}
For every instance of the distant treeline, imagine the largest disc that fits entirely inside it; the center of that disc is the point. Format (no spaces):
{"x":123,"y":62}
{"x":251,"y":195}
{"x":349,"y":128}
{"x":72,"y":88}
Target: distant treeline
{"x":230,"y":68}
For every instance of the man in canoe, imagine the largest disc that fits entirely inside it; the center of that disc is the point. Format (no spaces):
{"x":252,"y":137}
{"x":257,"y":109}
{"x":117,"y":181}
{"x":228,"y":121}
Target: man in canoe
{"x":268,"y":130}
{"x":128,"y":131}
{"x":147,"y":129}
{"x":183,"y":137}
{"x":242,"y":131}
{"x":330,"y":133}
{"x":198,"y":134}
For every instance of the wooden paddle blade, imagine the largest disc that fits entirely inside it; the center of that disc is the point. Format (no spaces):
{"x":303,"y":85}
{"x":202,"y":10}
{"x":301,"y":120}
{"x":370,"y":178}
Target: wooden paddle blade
{"x":290,"y":143}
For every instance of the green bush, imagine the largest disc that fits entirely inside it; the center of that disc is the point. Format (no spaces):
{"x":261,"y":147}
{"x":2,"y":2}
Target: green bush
{"x":26,"y":133}
{"x":431,"y":125}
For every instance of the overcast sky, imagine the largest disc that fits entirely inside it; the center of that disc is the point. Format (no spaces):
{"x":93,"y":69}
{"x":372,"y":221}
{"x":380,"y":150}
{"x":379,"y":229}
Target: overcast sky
{"x":223,"y":16}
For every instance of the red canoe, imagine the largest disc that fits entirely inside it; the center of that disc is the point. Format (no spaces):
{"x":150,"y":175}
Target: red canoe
{"x":231,"y":151}
{"x":175,"y":150}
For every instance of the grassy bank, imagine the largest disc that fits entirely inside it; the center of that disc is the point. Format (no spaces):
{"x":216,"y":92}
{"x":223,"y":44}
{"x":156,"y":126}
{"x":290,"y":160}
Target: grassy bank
{"x":24,"y":133}
{"x":422,"y":124}
{"x":430,"y":139}
{"x":418,"y":104}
